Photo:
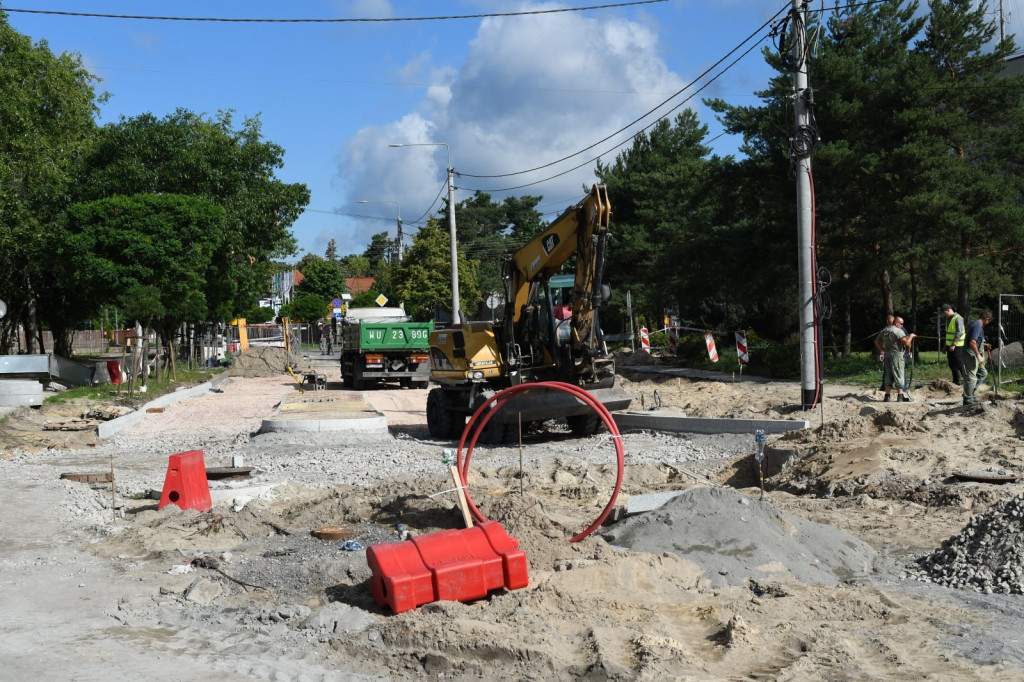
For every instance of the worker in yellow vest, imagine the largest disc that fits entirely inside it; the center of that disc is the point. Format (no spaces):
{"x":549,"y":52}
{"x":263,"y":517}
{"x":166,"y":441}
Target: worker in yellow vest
{"x":954,"y":343}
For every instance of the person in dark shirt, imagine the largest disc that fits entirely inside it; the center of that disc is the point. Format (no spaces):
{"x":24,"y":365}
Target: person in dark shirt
{"x":975,"y":372}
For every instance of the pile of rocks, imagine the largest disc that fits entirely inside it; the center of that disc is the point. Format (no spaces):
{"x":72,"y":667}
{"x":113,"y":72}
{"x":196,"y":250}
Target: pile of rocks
{"x":987,"y":556}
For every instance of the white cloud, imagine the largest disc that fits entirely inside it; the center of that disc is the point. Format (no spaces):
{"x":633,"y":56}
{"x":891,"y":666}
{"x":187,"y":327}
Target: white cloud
{"x":530,"y":91}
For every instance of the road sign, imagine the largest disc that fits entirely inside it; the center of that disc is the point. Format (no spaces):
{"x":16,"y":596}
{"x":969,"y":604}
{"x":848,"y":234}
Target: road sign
{"x":492,"y":301}
{"x":741,"y":348}
{"x":381,"y":300}
{"x":336,"y":303}
{"x":337,"y":315}
{"x":710,"y":342}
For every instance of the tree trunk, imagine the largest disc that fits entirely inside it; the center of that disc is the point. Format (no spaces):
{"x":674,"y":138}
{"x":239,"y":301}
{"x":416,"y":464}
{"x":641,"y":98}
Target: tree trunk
{"x":963,"y":284}
{"x":28,"y":319}
{"x":847,"y":326}
{"x":885,"y":284}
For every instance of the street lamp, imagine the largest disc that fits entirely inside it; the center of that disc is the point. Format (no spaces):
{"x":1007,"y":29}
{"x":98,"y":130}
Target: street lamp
{"x":456,"y":316}
{"x":399,"y":209}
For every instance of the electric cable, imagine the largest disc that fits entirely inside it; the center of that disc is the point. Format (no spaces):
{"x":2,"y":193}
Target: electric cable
{"x":499,"y":399}
{"x":592,"y":159}
{"x":648,"y":113}
{"x":329,"y":21}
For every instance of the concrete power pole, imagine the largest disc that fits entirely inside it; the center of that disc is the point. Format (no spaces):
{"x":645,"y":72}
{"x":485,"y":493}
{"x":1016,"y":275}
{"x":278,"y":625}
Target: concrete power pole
{"x":804,"y":139}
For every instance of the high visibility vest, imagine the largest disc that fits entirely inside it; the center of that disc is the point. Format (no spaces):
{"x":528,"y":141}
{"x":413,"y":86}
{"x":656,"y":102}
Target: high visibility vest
{"x":951,"y":339}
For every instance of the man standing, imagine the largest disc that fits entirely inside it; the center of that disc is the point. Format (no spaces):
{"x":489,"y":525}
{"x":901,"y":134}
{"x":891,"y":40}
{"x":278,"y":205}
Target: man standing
{"x":974,"y":362}
{"x":891,"y":343}
{"x":954,"y":342}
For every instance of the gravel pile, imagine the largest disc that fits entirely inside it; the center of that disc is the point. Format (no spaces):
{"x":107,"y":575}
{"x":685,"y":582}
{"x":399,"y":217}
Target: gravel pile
{"x":987,"y":556}
{"x":737,"y":538}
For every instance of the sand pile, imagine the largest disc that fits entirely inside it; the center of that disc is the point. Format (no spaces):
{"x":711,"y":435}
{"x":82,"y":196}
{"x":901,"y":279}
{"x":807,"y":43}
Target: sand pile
{"x":264,"y":361}
{"x":987,"y":556}
{"x":736,"y":538}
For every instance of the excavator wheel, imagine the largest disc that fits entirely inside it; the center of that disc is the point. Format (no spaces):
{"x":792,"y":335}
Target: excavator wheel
{"x":584,"y":424}
{"x":495,"y":432}
{"x":442,"y":421}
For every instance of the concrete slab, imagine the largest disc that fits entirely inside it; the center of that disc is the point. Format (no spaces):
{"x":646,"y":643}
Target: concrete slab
{"x":18,"y":392}
{"x":315,"y":411}
{"x":679,"y":423}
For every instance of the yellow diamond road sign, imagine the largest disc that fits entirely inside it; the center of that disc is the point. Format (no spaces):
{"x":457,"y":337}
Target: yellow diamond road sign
{"x":382,"y":300}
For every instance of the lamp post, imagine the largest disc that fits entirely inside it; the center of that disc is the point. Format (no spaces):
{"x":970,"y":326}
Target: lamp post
{"x":456,"y":316}
{"x":398,"y":207}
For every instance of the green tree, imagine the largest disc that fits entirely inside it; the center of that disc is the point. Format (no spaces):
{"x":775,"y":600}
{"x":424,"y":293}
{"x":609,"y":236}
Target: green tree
{"x":321,"y":278}
{"x":964,"y":153}
{"x":306,"y":307}
{"x":487,"y":230}
{"x":381,"y":251}
{"x":187,"y":153}
{"x":355,"y":266}
{"x":47,"y":105}
{"x":423,"y":281}
{"x":149,"y":252}
{"x":331,"y":254}
{"x":663,"y":192}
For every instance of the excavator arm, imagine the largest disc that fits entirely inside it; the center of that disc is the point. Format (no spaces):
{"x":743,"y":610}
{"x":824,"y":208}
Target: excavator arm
{"x":581,"y":231}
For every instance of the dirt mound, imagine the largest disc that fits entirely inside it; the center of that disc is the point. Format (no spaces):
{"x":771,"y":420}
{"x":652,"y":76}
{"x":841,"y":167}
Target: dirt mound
{"x":264,"y":361}
{"x":736,"y":538}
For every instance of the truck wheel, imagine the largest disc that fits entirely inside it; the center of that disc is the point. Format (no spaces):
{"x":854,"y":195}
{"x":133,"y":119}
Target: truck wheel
{"x":405,"y":382}
{"x":420,"y":384}
{"x":347,"y":380}
{"x":584,"y":424}
{"x":442,"y":421}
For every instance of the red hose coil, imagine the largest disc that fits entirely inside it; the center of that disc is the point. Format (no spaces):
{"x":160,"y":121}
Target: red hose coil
{"x":502,"y":397}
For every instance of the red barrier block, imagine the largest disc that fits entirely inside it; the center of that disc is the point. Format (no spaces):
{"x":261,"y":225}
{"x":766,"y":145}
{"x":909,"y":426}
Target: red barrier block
{"x":185,"y":484}
{"x":114,"y":370}
{"x":453,"y":565}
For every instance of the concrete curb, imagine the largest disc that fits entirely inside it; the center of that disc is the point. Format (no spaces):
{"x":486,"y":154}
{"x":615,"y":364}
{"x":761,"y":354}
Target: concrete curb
{"x":669,"y":421}
{"x":373,"y":425}
{"x":114,"y":426}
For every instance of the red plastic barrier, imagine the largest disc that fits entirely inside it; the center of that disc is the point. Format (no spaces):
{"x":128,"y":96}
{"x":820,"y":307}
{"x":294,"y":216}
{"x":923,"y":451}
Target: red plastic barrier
{"x":114,"y":370}
{"x":185,"y":484}
{"x":452,"y":565}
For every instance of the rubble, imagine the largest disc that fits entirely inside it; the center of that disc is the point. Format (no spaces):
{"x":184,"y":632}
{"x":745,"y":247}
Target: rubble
{"x":987,"y":556}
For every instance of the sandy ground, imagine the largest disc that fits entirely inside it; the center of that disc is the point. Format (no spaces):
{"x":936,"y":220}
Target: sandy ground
{"x":815,"y":581}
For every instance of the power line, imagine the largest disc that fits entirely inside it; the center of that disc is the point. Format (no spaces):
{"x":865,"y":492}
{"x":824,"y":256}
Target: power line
{"x":637,"y":120}
{"x":327,"y":21}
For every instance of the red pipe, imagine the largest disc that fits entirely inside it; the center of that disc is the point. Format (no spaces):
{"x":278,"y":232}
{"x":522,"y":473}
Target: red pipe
{"x":502,"y":397}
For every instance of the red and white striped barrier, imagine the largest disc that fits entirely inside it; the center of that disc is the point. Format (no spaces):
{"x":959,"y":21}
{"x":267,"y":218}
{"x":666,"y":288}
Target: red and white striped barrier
{"x":645,"y":340}
{"x":673,"y":339}
{"x":710,"y":342}
{"x":741,"y":348}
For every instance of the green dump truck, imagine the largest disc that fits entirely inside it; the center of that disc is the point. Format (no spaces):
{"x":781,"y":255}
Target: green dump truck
{"x":383,"y":345}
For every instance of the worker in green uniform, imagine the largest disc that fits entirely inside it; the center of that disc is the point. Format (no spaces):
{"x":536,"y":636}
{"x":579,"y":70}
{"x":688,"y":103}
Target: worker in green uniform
{"x":891,"y":343}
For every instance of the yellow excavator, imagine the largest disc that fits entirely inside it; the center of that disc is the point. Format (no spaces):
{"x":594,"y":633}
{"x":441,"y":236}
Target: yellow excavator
{"x":536,"y":339}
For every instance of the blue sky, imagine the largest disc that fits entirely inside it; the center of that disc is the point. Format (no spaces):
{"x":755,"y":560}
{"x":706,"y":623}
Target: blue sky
{"x":506,"y":94}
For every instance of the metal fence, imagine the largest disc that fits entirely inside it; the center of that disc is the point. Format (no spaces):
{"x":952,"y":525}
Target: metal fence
{"x":1008,"y":348}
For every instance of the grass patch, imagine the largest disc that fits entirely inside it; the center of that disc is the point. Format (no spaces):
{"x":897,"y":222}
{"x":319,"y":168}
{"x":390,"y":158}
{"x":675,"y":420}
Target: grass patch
{"x":110,"y":393}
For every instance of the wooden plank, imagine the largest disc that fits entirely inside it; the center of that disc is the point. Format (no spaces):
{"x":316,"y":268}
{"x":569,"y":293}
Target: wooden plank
{"x":72,"y":425}
{"x":461,"y":495}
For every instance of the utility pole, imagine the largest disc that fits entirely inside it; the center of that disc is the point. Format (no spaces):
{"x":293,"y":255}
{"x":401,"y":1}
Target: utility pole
{"x":802,"y":144}
{"x":399,"y":237}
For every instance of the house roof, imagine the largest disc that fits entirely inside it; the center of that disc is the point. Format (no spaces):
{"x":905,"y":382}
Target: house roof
{"x":357,"y":285}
